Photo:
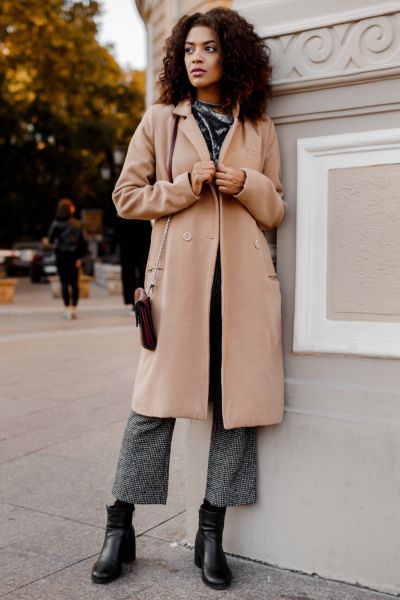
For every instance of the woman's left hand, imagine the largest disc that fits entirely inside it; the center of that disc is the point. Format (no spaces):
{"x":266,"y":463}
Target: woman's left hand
{"x":229,"y":180}
{"x":78,"y":263}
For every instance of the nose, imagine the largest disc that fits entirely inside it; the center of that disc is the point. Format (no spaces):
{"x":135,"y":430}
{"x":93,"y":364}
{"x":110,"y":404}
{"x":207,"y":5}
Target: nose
{"x":197,"y":56}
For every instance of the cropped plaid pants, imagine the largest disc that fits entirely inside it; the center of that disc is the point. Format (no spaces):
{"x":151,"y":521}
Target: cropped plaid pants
{"x":143,"y":466}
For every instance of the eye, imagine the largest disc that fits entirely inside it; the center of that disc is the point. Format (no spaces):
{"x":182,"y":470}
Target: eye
{"x":187,"y":50}
{"x":211,"y":48}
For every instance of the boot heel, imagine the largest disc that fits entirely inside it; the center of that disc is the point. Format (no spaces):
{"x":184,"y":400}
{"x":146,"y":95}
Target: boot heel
{"x":197,"y":557}
{"x":129,"y":553}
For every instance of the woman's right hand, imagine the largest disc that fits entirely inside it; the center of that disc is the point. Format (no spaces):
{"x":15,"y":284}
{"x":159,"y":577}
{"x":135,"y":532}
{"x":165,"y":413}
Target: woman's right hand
{"x":202,"y":172}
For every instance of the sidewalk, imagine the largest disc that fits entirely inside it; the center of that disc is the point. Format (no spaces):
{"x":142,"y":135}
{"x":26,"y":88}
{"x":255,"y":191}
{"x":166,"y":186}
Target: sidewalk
{"x":65,"y":389}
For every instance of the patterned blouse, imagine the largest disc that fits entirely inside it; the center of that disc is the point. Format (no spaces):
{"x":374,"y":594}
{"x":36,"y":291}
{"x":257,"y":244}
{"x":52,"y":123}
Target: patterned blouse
{"x":214,"y":126}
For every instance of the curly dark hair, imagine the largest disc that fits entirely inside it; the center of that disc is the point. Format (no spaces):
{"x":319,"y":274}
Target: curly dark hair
{"x":245,"y":63}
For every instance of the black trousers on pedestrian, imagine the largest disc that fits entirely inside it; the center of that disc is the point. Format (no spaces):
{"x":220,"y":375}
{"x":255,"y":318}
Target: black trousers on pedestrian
{"x":68,"y":274}
{"x":143,"y":466}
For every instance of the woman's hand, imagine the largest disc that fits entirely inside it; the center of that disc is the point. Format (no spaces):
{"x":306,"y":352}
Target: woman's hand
{"x":202,"y":172}
{"x":230,"y":180}
{"x":78,"y":263}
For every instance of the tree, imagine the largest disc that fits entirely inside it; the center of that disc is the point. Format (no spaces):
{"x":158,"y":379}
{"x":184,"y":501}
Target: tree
{"x":65,"y":106}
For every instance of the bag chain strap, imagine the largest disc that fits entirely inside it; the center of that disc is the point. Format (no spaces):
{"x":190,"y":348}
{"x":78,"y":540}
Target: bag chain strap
{"x":153,"y":282}
{"x":156,"y":269}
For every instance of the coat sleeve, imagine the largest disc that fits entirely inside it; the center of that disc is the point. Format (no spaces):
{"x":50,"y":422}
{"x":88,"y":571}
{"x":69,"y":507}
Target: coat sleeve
{"x":81,"y":245}
{"x":262,"y":193}
{"x":136,"y":194}
{"x":52,"y":233}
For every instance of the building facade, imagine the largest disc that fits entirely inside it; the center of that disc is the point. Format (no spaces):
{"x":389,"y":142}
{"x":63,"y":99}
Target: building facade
{"x":329,"y":475}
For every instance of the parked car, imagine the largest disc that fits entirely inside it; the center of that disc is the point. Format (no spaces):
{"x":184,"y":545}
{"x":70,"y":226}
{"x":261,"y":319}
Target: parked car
{"x":32,"y":258}
{"x":43,"y":264}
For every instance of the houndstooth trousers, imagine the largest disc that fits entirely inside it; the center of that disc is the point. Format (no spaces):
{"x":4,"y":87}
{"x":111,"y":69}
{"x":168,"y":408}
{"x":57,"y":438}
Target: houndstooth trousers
{"x":143,"y":466}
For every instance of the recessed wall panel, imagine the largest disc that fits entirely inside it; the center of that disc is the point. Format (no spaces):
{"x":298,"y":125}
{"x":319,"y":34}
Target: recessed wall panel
{"x":347,"y":293}
{"x":363,"y":254}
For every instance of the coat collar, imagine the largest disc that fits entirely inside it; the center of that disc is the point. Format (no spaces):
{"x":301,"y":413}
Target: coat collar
{"x":184,"y":108}
{"x":192,"y":131}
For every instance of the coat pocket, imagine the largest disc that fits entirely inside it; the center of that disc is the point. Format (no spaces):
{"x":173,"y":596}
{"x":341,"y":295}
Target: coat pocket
{"x":271,"y":273}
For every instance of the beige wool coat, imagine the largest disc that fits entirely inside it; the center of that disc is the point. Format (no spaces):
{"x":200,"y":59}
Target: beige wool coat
{"x":172,"y":381}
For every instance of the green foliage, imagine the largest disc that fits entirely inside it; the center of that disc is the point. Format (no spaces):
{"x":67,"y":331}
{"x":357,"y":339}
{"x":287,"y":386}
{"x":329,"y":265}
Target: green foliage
{"x":65,"y":106}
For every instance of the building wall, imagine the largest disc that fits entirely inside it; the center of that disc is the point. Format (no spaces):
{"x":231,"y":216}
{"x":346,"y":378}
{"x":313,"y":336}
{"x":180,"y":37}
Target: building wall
{"x":329,"y":475}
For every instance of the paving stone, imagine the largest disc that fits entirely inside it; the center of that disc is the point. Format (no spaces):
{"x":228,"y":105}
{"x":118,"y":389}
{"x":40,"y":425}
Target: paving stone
{"x":47,"y":534}
{"x":45,"y":428}
{"x":14,"y":596}
{"x":173,"y":530}
{"x":35,"y":544}
{"x":19,"y":566}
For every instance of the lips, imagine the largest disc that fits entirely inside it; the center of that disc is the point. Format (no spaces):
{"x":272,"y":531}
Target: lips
{"x":197,"y":71}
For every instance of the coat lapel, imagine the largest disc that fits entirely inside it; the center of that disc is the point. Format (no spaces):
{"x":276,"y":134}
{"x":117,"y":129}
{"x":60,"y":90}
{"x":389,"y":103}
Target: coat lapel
{"x":227,"y":141}
{"x":190,"y":128}
{"x":192,"y":131}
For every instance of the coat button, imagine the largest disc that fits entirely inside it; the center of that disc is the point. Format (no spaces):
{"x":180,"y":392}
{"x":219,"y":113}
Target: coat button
{"x":187,"y":236}
{"x":257,"y":243}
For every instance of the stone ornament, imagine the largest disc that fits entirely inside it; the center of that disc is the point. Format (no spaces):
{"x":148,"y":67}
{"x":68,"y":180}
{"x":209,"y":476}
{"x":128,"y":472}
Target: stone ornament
{"x":315,"y":57}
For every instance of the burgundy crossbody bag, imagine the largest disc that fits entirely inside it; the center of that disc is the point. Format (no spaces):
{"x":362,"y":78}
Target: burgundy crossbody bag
{"x":142,"y":302}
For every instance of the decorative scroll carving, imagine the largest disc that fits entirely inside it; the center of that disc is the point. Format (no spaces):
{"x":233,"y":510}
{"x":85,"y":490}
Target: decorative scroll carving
{"x":345,"y":49}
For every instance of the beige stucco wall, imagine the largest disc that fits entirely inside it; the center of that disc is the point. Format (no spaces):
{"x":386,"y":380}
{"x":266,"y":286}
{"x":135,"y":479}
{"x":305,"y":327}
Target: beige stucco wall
{"x":363,"y":273}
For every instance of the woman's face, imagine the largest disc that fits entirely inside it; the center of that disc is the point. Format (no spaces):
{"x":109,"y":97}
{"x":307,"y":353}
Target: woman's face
{"x":203,"y":57}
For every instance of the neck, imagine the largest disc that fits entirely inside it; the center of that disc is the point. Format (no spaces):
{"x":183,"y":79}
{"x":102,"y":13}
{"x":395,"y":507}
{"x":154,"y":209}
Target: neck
{"x":209,"y":103}
{"x":211,"y":94}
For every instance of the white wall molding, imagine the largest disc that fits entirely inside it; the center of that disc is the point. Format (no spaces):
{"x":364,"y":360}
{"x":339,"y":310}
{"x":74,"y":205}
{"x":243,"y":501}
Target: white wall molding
{"x":313,"y":332}
{"x":344,"y":53}
{"x":318,"y":115}
{"x":359,"y":419}
{"x":341,"y":400}
{"x":276,"y":17}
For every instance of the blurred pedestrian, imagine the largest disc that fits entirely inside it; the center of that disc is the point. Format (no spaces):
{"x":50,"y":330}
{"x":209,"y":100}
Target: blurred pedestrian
{"x":134,"y":240}
{"x":217,"y":301}
{"x":66,"y":234}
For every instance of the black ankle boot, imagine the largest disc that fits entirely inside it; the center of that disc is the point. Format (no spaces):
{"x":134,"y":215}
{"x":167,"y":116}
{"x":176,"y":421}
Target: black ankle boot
{"x":208,"y":552}
{"x":119,"y":545}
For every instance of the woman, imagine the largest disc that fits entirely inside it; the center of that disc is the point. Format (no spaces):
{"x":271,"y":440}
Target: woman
{"x":216,"y":269}
{"x":66,"y":234}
